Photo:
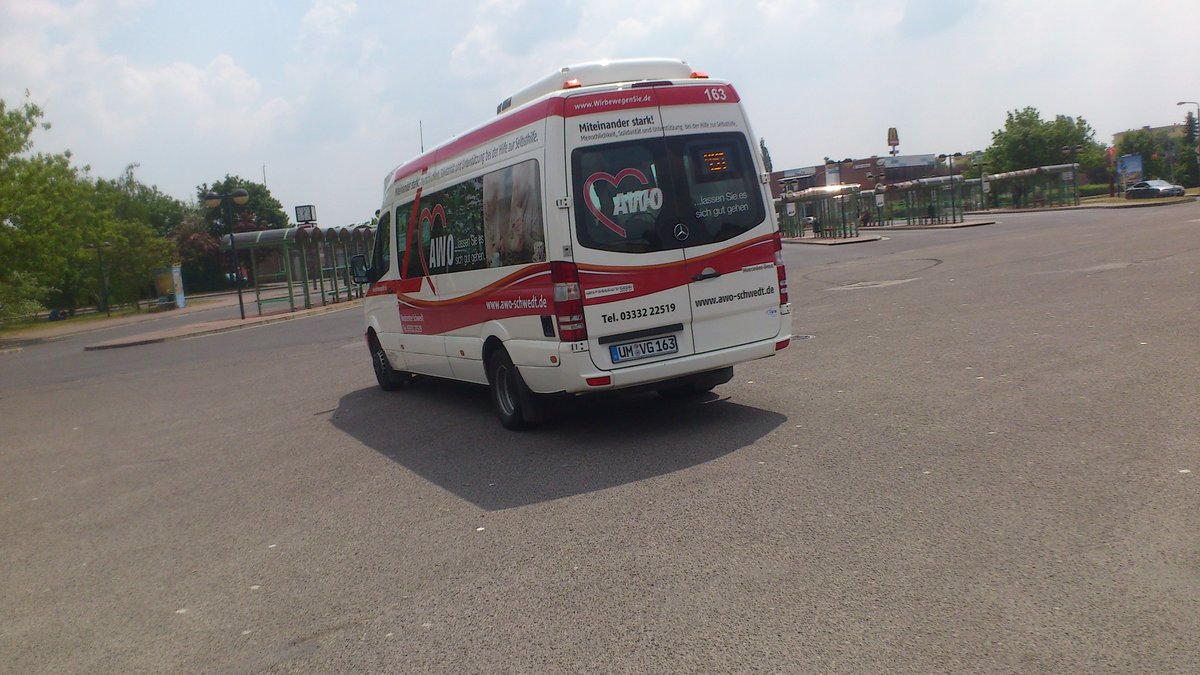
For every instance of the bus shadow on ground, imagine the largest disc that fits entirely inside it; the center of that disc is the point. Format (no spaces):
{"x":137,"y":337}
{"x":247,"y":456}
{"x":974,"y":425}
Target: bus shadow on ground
{"x":447,"y":433}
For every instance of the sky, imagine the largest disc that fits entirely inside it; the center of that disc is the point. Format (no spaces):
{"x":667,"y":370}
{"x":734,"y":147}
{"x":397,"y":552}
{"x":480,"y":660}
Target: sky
{"x":319,"y":99}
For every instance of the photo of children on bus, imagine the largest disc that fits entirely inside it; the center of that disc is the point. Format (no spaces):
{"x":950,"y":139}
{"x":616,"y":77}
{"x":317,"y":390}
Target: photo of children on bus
{"x":512,"y":215}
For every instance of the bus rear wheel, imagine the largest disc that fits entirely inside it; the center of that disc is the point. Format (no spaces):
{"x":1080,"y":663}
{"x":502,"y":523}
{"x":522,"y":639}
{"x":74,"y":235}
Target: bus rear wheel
{"x":516,"y":406}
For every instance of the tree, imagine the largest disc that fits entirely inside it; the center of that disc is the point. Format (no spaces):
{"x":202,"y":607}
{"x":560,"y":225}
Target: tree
{"x":132,"y":200}
{"x":1154,"y":148}
{"x":1027,"y":141}
{"x":55,"y":220}
{"x":1190,"y":152}
{"x":766,"y":154}
{"x":20,"y":295}
{"x":261,"y":212}
{"x":20,"y":291}
{"x":16,"y":128}
{"x":137,"y":251}
{"x":203,"y":266}
{"x":50,"y":214}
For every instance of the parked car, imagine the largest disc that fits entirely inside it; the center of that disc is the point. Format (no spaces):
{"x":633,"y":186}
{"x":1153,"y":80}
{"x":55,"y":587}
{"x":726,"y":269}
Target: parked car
{"x":1153,"y":188}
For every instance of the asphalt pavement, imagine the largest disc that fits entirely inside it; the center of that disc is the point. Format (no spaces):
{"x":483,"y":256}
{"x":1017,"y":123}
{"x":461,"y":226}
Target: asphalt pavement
{"x":984,"y":459}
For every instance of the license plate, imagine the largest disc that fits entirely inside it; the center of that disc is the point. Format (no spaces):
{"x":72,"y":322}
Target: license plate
{"x":632,"y":351}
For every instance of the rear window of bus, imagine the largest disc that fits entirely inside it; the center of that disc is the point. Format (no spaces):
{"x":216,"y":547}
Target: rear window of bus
{"x":629,"y":196}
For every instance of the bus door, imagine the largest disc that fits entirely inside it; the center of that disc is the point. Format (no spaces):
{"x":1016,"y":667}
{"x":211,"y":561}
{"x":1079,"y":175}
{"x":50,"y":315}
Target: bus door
{"x":631,"y":266}
{"x":730,"y":239}
{"x":421,"y":314}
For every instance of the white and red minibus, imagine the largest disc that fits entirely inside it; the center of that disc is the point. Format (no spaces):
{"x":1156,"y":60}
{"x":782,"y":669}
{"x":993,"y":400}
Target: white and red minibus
{"x":610,"y":228}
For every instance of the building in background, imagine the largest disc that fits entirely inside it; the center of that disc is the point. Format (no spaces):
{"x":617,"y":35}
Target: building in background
{"x":867,"y":172}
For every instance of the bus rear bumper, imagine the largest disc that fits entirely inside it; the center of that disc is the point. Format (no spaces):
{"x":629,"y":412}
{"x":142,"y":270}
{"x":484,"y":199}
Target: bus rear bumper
{"x":576,"y":374}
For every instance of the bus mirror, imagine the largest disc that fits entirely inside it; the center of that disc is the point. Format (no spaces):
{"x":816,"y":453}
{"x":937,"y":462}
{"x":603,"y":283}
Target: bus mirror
{"x":358,"y":269}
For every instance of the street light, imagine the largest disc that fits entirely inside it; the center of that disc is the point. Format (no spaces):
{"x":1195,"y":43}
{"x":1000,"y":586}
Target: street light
{"x":103,"y":276}
{"x":949,"y":159}
{"x":1197,"y":131}
{"x":950,"y":167}
{"x":239,"y":196}
{"x":1071,"y":151}
{"x":983,"y":186}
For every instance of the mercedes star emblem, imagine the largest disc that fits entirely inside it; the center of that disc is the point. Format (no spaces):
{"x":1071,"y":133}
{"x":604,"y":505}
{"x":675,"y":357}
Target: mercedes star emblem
{"x":681,"y":232}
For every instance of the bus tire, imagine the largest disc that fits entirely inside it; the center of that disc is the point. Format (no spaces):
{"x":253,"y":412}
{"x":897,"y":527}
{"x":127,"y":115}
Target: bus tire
{"x":516,"y":406}
{"x":388,"y":378}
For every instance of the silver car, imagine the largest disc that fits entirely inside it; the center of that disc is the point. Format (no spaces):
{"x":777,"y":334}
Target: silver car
{"x":1153,"y":188}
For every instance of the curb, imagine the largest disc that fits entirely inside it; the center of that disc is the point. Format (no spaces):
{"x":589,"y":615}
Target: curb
{"x":215,"y":327}
{"x":1170,"y":201}
{"x":831,"y":241}
{"x":947,"y":226}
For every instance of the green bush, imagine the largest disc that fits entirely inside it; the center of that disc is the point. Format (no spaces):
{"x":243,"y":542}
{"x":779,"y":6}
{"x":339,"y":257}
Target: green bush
{"x":1093,"y":190}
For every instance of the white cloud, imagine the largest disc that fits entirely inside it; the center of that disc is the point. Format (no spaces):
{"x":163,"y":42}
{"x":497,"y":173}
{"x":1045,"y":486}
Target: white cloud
{"x":788,"y":10}
{"x":326,"y":18}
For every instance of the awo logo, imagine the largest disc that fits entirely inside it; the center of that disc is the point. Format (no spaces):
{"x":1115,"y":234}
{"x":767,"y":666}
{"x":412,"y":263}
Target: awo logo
{"x":642,"y":200}
{"x":441,"y":242}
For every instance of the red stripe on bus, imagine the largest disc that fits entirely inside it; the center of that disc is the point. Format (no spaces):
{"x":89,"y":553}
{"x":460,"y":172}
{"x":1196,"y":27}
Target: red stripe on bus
{"x":484,"y":134}
{"x":529,"y":291}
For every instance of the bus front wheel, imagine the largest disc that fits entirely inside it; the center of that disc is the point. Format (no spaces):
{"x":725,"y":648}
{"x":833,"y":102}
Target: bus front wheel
{"x":388,"y":378}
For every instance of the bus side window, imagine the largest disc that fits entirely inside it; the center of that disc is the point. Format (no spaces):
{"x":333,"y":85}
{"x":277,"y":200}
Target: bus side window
{"x":381,"y":255}
{"x":408,"y":255}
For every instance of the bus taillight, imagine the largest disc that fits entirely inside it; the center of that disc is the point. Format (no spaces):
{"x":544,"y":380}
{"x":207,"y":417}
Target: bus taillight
{"x":568,"y":302}
{"x":781,"y":270}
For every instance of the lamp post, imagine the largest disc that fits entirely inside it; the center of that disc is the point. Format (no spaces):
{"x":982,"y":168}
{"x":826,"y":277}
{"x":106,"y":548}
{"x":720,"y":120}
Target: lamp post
{"x":1071,"y":151}
{"x":1197,"y":104}
{"x":239,"y":196}
{"x":949,"y":159}
{"x":103,"y":277}
{"x":950,"y":167}
{"x":983,"y":200}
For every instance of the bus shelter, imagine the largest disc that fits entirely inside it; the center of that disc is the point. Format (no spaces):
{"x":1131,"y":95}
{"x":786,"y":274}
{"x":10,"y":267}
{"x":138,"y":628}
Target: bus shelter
{"x":1037,"y":187}
{"x":926,"y":201}
{"x":309,"y":259}
{"x":828,"y":211}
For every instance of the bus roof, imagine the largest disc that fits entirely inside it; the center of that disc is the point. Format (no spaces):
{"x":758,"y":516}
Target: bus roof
{"x":600,"y":72}
{"x":545,"y":98}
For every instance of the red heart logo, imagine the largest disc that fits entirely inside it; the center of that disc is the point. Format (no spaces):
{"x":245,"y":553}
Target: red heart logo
{"x":615,"y":181}
{"x":431,"y":217}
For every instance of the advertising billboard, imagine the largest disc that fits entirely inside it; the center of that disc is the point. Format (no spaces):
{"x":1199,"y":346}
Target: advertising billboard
{"x":1129,"y":168}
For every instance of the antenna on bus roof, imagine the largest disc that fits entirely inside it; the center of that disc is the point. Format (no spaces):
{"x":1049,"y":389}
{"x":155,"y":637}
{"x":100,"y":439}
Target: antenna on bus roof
{"x":421,"y":133}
